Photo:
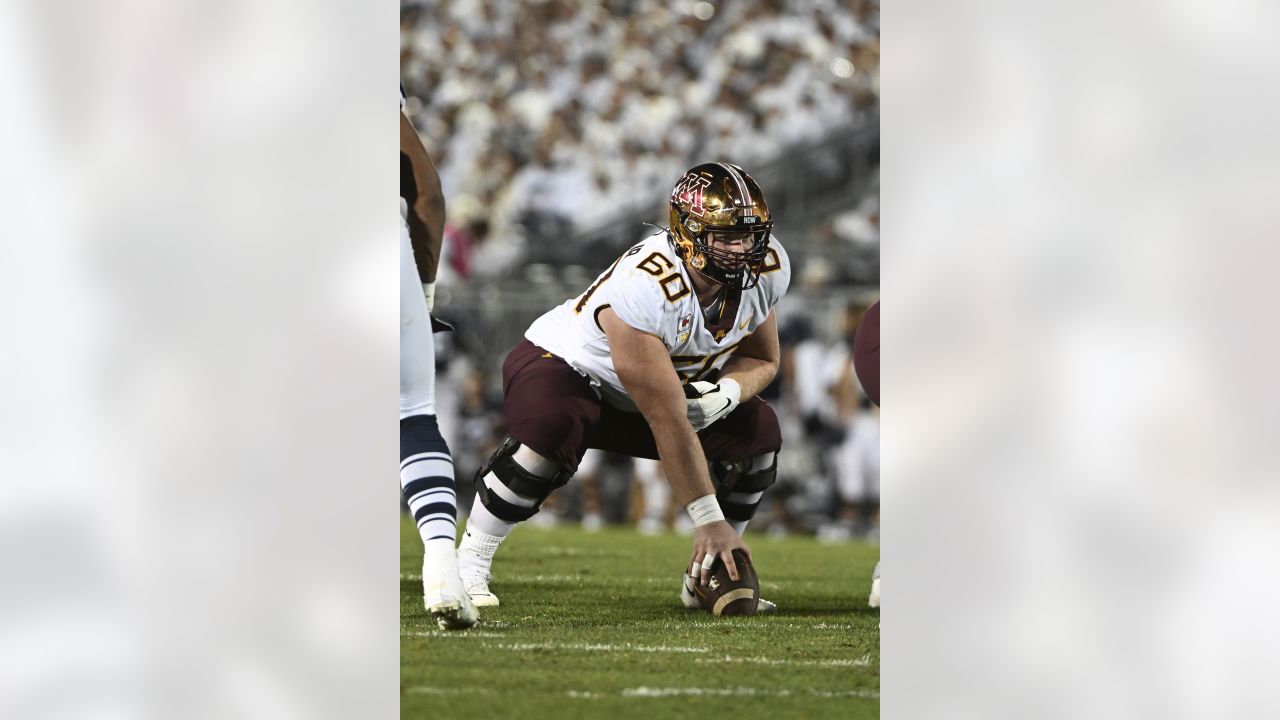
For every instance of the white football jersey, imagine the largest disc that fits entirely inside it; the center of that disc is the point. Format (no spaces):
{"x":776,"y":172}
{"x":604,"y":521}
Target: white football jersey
{"x":649,"y":289}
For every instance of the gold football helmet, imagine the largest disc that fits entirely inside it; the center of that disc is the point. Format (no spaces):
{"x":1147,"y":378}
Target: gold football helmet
{"x":720,"y":199}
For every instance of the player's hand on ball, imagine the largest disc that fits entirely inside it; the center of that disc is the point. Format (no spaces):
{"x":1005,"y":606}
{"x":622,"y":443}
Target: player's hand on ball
{"x":708,"y":402}
{"x":712,"y":540}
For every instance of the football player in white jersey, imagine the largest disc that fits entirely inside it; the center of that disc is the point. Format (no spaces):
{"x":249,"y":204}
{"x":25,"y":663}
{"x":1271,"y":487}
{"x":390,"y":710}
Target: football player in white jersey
{"x":426,"y":467}
{"x":661,"y":357}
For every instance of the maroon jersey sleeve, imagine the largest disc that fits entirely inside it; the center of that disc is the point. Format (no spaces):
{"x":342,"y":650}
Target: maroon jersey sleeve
{"x":866,"y":352}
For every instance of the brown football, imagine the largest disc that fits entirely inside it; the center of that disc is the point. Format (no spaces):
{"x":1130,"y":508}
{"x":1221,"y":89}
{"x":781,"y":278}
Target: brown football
{"x":722,"y":596}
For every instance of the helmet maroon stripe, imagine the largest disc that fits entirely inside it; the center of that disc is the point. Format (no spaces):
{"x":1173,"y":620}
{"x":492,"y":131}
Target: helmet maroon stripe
{"x":742,"y":185}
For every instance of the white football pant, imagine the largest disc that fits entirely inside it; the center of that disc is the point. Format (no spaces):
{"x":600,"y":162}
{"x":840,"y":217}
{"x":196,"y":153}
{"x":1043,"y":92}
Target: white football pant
{"x":417,"y":348}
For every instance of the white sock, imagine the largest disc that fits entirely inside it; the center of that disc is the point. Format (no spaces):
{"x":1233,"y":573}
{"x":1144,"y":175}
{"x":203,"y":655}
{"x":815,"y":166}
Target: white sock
{"x":478,"y":547}
{"x":439,"y":548}
{"x":440,"y":557}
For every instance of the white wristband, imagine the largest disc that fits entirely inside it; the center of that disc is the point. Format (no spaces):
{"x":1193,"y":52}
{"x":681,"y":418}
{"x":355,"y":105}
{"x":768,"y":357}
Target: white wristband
{"x":704,"y":510}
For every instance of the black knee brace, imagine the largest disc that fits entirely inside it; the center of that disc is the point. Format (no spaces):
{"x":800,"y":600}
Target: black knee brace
{"x":520,"y":481}
{"x":729,"y":478}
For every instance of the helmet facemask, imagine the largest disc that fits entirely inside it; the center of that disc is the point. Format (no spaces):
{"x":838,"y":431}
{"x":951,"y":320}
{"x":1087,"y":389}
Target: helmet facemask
{"x":733,"y":269}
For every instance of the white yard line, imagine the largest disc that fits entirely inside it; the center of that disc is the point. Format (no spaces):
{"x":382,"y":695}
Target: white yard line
{"x":650,"y":692}
{"x":559,"y":551}
{"x":660,"y":692}
{"x":597,"y":647}
{"x":611,"y":580}
{"x":452,"y":634}
{"x":730,"y":622}
{"x":516,"y":579}
{"x":592,"y":579}
{"x":429,"y":690}
{"x":864,"y":661}
{"x":866,"y":694}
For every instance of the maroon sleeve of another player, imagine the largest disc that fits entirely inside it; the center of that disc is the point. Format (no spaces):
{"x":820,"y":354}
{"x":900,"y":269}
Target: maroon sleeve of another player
{"x":866,"y":352}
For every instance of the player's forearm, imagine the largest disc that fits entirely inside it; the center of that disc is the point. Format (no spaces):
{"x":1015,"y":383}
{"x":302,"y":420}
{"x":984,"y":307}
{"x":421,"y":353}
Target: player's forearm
{"x":679,"y":450}
{"x":420,"y":187}
{"x":426,"y":234}
{"x":644,"y":367}
{"x":751,"y":374}
{"x":658,"y":395}
{"x":426,"y":216}
{"x":682,"y":460}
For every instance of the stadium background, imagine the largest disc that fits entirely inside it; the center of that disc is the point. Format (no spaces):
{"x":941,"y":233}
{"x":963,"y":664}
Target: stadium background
{"x":556,"y":147}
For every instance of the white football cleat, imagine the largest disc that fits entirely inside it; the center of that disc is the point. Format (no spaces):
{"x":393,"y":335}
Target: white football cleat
{"x":457,"y":613}
{"x":874,"y":599}
{"x":444,"y":595}
{"x":476,"y":581}
{"x":691,"y":601}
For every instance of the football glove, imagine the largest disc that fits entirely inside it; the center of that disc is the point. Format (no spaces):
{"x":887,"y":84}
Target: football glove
{"x":708,"y":402}
{"x":429,"y":290}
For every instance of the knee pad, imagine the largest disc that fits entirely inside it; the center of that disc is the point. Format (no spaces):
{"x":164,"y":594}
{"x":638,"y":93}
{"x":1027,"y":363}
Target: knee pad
{"x":502,"y":465}
{"x":739,"y":486}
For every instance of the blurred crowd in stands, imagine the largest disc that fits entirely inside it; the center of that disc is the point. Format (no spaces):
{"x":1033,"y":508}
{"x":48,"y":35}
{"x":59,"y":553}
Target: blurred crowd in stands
{"x":551,"y":121}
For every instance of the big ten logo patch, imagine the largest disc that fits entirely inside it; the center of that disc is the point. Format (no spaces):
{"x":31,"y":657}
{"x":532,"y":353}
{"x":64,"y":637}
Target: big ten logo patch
{"x":684,"y":328}
{"x":689,"y":191}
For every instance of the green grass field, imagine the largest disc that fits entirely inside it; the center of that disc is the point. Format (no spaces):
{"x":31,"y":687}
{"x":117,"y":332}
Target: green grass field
{"x":591,"y":626}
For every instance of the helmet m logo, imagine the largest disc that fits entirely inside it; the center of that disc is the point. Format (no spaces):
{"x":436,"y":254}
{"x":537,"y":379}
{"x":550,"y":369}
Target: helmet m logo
{"x":689,"y":191}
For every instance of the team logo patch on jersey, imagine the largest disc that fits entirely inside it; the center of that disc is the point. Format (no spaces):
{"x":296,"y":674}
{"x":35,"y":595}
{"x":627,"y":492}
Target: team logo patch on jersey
{"x":682,"y":330}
